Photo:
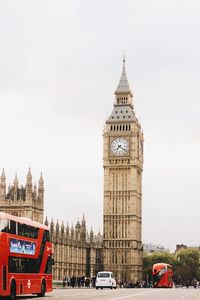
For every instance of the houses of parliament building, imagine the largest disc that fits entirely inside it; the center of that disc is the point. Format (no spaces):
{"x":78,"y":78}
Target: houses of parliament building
{"x":77,"y":251}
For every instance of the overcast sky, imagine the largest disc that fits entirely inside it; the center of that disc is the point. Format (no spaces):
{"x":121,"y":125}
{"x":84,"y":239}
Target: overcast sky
{"x":60,"y":63}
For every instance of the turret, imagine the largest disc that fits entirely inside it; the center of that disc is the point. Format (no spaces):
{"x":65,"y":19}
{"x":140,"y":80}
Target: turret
{"x":15,"y":182}
{"x":15,"y":185}
{"x":57,"y":232}
{"x":83,"y":221}
{"x":41,"y":188}
{"x":99,"y":239}
{"x":29,"y":185}
{"x":2,"y":185}
{"x":72,"y":232}
{"x":91,"y":236}
{"x":62,"y":231}
{"x":9,"y":188}
{"x":57,"y":228}
{"x":46,"y":222}
{"x":83,"y":229}
{"x":78,"y":226}
{"x":35,"y":191}
{"x":67,"y":231}
{"x":52,"y":227}
{"x":77,"y":230}
{"x":29,"y":178}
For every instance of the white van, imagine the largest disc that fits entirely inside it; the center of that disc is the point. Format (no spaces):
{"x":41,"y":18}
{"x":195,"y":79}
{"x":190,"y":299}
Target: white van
{"x":105,"y":279}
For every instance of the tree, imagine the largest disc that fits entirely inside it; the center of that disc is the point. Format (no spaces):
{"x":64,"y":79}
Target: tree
{"x":189,"y":265}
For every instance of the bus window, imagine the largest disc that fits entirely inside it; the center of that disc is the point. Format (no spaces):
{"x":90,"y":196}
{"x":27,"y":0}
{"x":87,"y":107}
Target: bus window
{"x":27,"y":231}
{"x":33,"y":232}
{"x":12,"y":265}
{"x":21,"y":229}
{"x":4,"y":225}
{"x":23,"y":265}
{"x":48,"y":269}
{"x":46,"y":236}
{"x":8,"y":226}
{"x":12,"y":227}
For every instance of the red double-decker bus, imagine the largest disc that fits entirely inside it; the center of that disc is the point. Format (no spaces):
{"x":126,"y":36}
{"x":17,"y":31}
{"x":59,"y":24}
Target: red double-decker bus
{"x":25,"y":257}
{"x":162,"y":275}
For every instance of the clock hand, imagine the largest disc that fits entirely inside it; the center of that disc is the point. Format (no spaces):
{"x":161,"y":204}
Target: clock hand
{"x":120,"y":146}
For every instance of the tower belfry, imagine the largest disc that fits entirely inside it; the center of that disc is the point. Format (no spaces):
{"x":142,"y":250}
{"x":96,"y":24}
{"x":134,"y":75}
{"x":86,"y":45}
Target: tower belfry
{"x":123,"y":166}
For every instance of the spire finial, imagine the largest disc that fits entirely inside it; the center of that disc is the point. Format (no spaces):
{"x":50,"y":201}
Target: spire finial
{"x":29,"y":172}
{"x":124,"y":57}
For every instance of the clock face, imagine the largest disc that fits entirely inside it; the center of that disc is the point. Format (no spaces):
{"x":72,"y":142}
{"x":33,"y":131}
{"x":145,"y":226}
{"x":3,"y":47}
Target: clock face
{"x":119,"y":146}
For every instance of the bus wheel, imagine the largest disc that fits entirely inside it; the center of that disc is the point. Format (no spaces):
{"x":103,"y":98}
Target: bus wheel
{"x":13,"y":290}
{"x":43,"y":289}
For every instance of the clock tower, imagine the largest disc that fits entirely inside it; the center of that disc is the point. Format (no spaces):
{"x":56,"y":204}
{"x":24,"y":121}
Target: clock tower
{"x":123,"y":166}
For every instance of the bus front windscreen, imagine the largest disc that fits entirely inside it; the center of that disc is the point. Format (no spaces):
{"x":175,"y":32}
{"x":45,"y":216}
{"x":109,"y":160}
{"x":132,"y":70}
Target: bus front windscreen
{"x":157,"y":277}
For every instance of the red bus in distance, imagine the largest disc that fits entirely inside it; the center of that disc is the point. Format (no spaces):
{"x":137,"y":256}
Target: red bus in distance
{"x":162,"y":275}
{"x":25,"y":257}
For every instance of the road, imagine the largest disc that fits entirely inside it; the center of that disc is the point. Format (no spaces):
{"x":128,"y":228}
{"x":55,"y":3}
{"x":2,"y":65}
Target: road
{"x":120,"y":294}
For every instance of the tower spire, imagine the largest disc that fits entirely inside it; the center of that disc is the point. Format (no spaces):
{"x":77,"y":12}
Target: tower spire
{"x":123,"y":86}
{"x":123,"y":109}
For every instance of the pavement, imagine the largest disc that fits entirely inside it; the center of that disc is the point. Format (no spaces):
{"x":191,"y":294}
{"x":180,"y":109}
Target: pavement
{"x":120,"y":294}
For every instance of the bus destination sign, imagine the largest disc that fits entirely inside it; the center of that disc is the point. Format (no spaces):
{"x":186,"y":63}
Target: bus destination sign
{"x":20,"y":246}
